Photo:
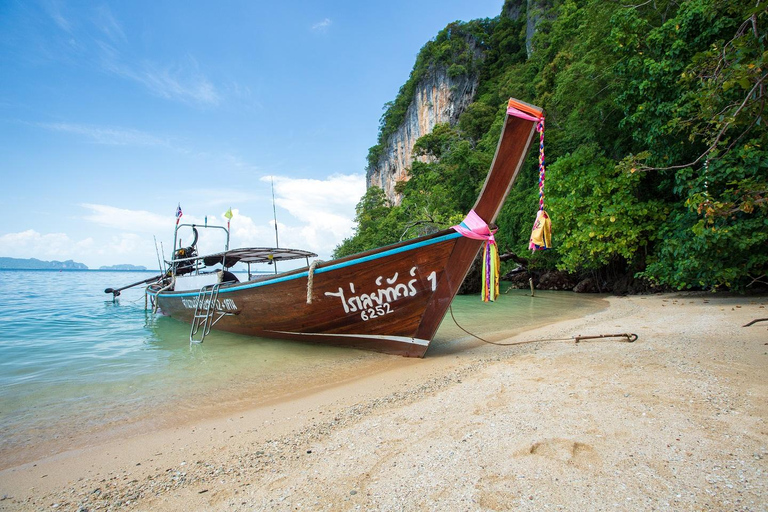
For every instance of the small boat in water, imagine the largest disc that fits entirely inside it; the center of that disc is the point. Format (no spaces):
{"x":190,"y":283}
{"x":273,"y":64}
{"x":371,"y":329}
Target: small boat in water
{"x":391,"y":299}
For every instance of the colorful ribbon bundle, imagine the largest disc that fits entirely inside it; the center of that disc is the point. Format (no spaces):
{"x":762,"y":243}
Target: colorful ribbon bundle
{"x":523,"y":111}
{"x":474,"y":227}
{"x":541,"y":234}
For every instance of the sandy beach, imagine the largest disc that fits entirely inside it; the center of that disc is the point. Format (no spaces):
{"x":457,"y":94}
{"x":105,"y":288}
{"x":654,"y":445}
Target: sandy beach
{"x":674,"y":421}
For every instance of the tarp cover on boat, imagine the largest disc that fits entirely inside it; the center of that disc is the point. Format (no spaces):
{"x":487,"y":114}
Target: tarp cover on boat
{"x":255,"y":255}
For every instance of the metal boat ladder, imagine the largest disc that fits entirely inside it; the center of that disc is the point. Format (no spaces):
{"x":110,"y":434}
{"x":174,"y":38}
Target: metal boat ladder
{"x":205,"y":310}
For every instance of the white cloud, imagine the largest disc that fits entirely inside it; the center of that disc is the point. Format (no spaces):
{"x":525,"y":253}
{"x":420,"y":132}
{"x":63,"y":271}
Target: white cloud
{"x":325,"y":210}
{"x":53,"y":8}
{"x":108,"y":25}
{"x":52,"y":246}
{"x":180,"y":82}
{"x":128,"y":220}
{"x":104,"y":43}
{"x":108,"y":135}
{"x":130,"y":239}
{"x":322,"y":26}
{"x":320,"y":215}
{"x":135,"y":232}
{"x":247,"y":233}
{"x":320,"y":212}
{"x":215,"y":198}
{"x":130,"y":248}
{"x":183,"y":81}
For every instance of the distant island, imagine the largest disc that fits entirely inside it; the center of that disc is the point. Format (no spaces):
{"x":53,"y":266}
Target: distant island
{"x":124,"y":266}
{"x":35,"y":264}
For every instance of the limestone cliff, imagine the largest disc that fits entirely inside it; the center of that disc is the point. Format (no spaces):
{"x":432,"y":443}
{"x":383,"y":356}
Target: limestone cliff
{"x":535,"y":11}
{"x":438,"y":99}
{"x":441,"y":95}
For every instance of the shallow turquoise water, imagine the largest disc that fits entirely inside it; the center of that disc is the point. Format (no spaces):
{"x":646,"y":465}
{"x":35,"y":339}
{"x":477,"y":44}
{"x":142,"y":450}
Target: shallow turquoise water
{"x":72,"y":361}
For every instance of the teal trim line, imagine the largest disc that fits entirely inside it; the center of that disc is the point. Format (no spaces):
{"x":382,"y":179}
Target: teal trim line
{"x":329,"y":268}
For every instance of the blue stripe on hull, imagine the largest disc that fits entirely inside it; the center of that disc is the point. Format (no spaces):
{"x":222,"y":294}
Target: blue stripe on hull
{"x":329,"y":268}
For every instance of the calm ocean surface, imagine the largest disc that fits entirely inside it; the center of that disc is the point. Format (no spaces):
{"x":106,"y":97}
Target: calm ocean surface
{"x":73,"y":362}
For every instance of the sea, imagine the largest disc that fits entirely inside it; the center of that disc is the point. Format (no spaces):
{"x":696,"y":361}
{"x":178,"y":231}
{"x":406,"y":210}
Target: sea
{"x":77,"y":365}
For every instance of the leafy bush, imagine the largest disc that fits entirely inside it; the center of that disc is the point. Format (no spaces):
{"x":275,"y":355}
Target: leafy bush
{"x":656,"y":142}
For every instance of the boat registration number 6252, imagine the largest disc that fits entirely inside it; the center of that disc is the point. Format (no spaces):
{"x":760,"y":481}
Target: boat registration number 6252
{"x":377,"y":311}
{"x":377,"y":303}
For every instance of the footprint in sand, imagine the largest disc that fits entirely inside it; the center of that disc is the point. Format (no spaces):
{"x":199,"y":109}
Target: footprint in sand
{"x":564,"y":450}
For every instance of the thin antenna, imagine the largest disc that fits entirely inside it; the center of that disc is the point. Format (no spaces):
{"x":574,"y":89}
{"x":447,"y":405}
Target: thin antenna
{"x":157,"y":252}
{"x":162,"y":251}
{"x":274,"y":210}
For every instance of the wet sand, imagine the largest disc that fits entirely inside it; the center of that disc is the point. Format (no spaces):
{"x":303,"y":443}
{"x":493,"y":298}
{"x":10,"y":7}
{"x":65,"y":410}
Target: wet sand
{"x":674,"y":421}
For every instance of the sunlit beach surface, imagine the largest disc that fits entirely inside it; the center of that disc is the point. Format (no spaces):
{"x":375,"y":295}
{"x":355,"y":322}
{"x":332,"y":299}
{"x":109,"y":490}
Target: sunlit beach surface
{"x":674,"y":421}
{"x":79,"y":367}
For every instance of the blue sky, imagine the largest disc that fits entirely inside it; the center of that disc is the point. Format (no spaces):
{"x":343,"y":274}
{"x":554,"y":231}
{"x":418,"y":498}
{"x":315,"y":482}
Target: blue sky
{"x":112,"y":113}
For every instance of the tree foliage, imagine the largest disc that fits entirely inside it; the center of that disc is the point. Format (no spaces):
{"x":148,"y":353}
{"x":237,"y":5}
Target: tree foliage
{"x":376,"y":224}
{"x":656,"y":142}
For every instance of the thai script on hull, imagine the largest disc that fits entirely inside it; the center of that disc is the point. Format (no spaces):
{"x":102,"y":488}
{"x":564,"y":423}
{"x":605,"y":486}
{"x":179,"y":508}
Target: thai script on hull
{"x":378,"y":302}
{"x":220,"y":304}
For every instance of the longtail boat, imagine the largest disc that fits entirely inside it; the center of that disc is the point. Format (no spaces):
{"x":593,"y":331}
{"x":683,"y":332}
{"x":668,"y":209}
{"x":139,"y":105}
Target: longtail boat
{"x":391,"y":299}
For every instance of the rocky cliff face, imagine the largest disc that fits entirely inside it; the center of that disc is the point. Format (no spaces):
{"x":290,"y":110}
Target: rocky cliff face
{"x":536,"y":11}
{"x":533,"y":11}
{"x":438,"y":99}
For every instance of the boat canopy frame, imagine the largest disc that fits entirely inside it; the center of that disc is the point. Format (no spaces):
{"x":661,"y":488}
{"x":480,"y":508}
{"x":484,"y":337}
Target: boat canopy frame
{"x":228,"y":258}
{"x":253,"y":255}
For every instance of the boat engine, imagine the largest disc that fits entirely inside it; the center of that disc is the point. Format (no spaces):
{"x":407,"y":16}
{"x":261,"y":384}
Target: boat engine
{"x":185,"y":267}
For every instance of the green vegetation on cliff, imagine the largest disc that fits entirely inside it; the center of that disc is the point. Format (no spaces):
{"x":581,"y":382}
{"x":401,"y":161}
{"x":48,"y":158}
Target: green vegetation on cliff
{"x":453,"y":50}
{"x":656,"y":142}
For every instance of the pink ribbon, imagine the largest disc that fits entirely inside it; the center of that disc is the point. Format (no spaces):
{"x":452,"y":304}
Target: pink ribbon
{"x":475,"y":227}
{"x":522,"y":115}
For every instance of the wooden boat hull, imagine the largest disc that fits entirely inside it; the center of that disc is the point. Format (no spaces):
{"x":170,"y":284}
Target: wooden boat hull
{"x":390,"y":299}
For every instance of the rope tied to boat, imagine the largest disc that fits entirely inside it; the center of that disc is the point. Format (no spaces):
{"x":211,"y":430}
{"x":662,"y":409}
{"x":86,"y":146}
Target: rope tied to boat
{"x":473,"y":226}
{"x":629,"y":337}
{"x":155,"y":302}
{"x":311,"y":279}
